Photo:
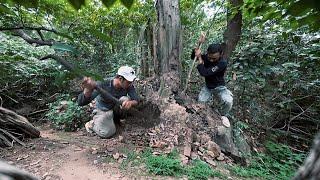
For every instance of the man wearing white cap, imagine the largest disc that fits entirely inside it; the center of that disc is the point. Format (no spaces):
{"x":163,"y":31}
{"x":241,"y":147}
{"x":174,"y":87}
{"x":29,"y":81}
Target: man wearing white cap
{"x":120,"y":87}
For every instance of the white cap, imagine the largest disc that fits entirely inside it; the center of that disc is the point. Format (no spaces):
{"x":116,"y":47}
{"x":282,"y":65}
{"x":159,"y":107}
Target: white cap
{"x":127,"y":72}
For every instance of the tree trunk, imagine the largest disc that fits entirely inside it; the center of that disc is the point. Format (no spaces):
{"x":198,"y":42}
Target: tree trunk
{"x":311,"y":166}
{"x":12,"y":122}
{"x":233,"y":32}
{"x":169,"y":44}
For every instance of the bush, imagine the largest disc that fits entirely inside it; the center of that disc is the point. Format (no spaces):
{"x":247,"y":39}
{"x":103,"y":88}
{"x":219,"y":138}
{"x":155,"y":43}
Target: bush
{"x":66,"y":114}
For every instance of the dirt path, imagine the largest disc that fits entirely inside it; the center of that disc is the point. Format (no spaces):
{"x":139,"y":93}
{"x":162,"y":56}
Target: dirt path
{"x":67,"y":156}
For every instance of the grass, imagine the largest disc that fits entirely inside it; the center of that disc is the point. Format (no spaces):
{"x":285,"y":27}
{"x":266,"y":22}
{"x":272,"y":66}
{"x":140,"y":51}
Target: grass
{"x":170,"y":165}
{"x":279,"y":162}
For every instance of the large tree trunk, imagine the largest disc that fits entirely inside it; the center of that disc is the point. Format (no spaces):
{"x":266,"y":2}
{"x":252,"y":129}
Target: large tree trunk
{"x":233,"y":32}
{"x":311,"y":166}
{"x":169,"y":44}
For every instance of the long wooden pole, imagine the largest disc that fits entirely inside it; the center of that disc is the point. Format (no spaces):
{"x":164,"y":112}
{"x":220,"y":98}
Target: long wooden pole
{"x":199,"y":46}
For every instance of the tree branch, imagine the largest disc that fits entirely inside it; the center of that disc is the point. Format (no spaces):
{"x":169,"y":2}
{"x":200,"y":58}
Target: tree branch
{"x":28,"y":28}
{"x":30,"y":40}
{"x":41,"y":35}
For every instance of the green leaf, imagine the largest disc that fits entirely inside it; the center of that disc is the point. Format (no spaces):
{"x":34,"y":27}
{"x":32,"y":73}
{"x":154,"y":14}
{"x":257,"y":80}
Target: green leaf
{"x":101,"y":36}
{"x":127,"y":3}
{"x":29,"y":3}
{"x":64,"y":47}
{"x":108,"y":3}
{"x":77,"y":3}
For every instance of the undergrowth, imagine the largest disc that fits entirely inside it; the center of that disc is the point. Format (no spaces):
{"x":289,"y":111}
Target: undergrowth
{"x":278,"y":162}
{"x":171,"y":165}
{"x":65,"y":114}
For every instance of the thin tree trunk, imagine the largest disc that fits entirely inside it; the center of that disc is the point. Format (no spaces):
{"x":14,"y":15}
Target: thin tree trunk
{"x":233,"y":32}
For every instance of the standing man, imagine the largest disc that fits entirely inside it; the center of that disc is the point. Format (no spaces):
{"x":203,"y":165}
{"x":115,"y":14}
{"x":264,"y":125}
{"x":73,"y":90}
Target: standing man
{"x":212,"y":67}
{"x":119,"y":87}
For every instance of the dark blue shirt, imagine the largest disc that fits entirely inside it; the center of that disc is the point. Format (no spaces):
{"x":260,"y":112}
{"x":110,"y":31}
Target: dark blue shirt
{"x":213,"y":72}
{"x":104,"y":103}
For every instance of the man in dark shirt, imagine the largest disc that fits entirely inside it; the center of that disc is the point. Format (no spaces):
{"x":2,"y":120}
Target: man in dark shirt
{"x":119,"y":87}
{"x":212,"y":66}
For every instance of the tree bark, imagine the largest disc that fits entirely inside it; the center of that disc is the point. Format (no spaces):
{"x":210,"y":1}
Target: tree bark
{"x":168,"y":44}
{"x":12,"y":122}
{"x":233,"y":32}
{"x":311,"y":167}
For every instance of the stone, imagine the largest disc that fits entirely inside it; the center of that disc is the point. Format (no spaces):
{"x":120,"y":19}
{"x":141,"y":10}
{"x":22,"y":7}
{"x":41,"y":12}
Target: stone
{"x":210,"y":161}
{"x":225,"y":121}
{"x":214,"y":148}
{"x":94,"y":152}
{"x":221,"y":157}
{"x":116,"y":156}
{"x":205,"y":138}
{"x":194,"y":156}
{"x":187,"y":151}
{"x":120,"y":138}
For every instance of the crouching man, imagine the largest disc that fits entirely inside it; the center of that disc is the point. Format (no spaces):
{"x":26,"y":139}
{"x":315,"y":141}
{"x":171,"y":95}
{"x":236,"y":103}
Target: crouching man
{"x":120,"y":87}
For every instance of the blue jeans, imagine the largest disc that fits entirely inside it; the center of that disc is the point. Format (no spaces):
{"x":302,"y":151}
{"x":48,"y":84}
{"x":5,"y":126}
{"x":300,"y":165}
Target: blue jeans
{"x":224,"y":95}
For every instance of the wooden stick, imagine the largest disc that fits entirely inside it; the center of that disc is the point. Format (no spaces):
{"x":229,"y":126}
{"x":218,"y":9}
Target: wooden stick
{"x":199,"y":46}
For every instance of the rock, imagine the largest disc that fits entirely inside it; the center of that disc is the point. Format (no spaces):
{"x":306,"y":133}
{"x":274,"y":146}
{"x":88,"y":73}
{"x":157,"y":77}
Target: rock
{"x":187,"y":151}
{"x":221,"y":157}
{"x":120,"y":138}
{"x":120,"y":160}
{"x":110,"y":149}
{"x":35,"y":163}
{"x":201,"y":149}
{"x":194,"y":156}
{"x":205,"y":138}
{"x":210,"y":153}
{"x":225,"y":121}
{"x":116,"y":156}
{"x":210,"y":161}
{"x":213,"y":148}
{"x":184,"y":159}
{"x":94,"y":152}
{"x":156,"y":153}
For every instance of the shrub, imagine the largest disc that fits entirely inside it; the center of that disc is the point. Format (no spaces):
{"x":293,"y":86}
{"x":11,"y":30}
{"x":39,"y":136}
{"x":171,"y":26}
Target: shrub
{"x":66,"y":114}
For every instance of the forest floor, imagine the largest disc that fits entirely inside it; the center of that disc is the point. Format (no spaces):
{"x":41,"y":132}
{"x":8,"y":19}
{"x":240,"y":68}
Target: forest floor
{"x":73,"y":155}
{"x":77,"y":155}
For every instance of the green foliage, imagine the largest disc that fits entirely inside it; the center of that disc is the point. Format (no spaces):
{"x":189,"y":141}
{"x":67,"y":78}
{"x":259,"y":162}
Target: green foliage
{"x":66,"y":114}
{"x":23,"y":76}
{"x":202,"y":171}
{"x":298,"y":13}
{"x":279,"y":162}
{"x":164,"y":165}
{"x":277,"y":79}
